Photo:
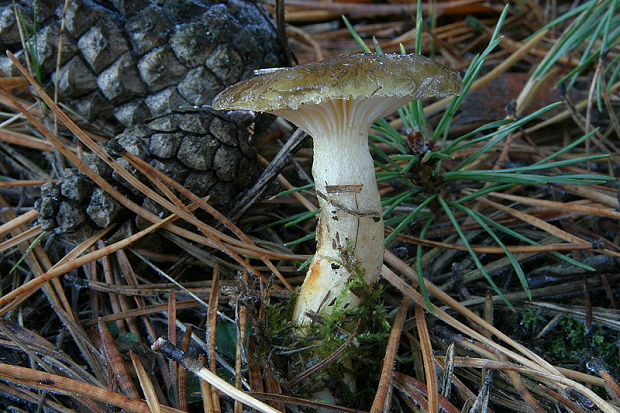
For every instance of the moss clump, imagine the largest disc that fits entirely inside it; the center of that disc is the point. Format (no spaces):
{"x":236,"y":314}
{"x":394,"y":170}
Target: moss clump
{"x":569,"y":344}
{"x":358,"y":336}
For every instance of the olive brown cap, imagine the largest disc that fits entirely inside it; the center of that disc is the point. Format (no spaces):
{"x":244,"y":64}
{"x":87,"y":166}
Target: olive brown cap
{"x":342,"y":77}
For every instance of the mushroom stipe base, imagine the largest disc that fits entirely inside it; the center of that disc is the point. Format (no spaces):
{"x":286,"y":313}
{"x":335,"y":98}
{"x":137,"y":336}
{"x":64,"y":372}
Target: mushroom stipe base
{"x":358,"y":337}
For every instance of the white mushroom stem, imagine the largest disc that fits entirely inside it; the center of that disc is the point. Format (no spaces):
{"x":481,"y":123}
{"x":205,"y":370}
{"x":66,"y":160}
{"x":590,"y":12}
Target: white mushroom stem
{"x":350,"y":229}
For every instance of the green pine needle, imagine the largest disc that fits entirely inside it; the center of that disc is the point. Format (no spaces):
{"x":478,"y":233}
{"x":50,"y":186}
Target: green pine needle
{"x":472,"y":253}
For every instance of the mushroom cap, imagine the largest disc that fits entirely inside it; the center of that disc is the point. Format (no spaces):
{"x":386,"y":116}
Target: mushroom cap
{"x":341,"y":77}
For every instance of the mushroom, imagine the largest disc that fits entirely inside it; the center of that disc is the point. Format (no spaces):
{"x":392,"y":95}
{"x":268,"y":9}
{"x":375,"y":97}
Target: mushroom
{"x":336,"y":101}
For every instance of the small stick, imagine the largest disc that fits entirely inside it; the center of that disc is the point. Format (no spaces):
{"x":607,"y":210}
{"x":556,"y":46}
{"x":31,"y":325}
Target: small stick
{"x":291,"y":146}
{"x":171,"y":351}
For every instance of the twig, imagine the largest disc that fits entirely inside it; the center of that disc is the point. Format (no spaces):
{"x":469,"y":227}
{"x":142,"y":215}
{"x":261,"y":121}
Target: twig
{"x":292,"y":144}
{"x":193,"y":365}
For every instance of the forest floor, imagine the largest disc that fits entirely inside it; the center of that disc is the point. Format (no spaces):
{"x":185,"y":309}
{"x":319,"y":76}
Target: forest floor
{"x":501,"y":277}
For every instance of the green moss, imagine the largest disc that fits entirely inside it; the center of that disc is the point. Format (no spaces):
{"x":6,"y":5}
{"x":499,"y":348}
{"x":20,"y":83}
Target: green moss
{"x":358,"y":336}
{"x":568,"y":343}
{"x":293,"y":351}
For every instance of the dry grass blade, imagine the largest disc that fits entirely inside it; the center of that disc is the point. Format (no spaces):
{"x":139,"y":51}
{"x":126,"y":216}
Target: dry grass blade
{"x":296,"y":401}
{"x":173,"y":366}
{"x":611,"y":385}
{"x":287,"y":185}
{"x":515,"y":249}
{"x":545,"y":226}
{"x":566,"y":113}
{"x":116,"y":363}
{"x":18,"y":221}
{"x":31,"y":182}
{"x":594,"y":194}
{"x":491,"y":363}
{"x":38,"y":261}
{"x":26,"y":141}
{"x":273,"y":386}
{"x":22,"y":237}
{"x":87,"y":140}
{"x":541,"y":367}
{"x":63,"y":385}
{"x":570,"y":206}
{"x":417,"y":391}
{"x":242,"y":324}
{"x":145,"y":382}
{"x":11,"y":82}
{"x":205,"y":389}
{"x":34,"y":357}
{"x":429,"y":361}
{"x":31,"y":287}
{"x":19,"y":335}
{"x":522,"y":389}
{"x":381,"y":401}
{"x":551,"y":379}
{"x":181,"y":376}
{"x":153,"y":173}
{"x":532,"y":358}
{"x":481,"y":404}
{"x":448,"y":372}
{"x":562,"y":400}
{"x":200,"y":288}
{"x":214,"y":297}
{"x":35,"y":398}
{"x":14,"y":224}
{"x":272,"y":168}
{"x":95,"y":148}
{"x":324,"y":10}
{"x":108,"y":276}
{"x":143,"y":311}
{"x":255,"y":375}
{"x":309,"y":372}
{"x":406,"y":289}
{"x":203,"y":373}
{"x":79,"y":249}
{"x":515,"y":379}
{"x":132,"y":281}
{"x":300,"y":34}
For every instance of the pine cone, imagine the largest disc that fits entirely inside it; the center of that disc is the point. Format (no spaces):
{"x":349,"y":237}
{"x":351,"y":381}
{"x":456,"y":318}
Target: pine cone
{"x":125,"y":63}
{"x":206,"y":151}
